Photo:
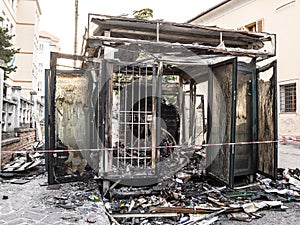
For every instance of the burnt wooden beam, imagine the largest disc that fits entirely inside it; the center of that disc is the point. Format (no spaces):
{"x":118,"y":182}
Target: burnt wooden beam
{"x":119,"y":195}
{"x":195,"y":210}
{"x":98,"y":41}
{"x":179,"y":38}
{"x":144,"y":215}
{"x":182,"y":210}
{"x":176,"y":29}
{"x":111,"y":218}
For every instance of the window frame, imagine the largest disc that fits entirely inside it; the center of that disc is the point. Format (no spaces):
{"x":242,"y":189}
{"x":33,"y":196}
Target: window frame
{"x":258,"y":25}
{"x":287,"y":83}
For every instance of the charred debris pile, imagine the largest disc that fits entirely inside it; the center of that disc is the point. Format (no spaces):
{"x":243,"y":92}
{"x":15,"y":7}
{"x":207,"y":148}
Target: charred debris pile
{"x":190,"y":197}
{"x":187,"y":197}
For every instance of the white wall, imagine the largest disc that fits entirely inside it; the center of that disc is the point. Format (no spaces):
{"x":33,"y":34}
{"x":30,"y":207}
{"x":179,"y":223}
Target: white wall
{"x":27,"y":32}
{"x":280,"y":17}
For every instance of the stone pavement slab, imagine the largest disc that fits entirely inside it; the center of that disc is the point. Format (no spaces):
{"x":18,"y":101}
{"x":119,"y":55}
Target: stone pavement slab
{"x":31,"y":203}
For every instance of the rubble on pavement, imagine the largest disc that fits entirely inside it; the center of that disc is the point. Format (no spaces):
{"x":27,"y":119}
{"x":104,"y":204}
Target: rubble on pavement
{"x":81,"y":201}
{"x":188,"y":197}
{"x":23,"y":167}
{"x":24,"y":160}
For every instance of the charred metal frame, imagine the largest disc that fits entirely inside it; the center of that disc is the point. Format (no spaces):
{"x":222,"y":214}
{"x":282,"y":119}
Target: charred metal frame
{"x":119,"y":152}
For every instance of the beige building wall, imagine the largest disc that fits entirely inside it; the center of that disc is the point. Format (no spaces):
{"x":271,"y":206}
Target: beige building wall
{"x":282,"y":18}
{"x":21,"y":17}
{"x":8,"y":13}
{"x":47,"y":43}
{"x":27,"y":33}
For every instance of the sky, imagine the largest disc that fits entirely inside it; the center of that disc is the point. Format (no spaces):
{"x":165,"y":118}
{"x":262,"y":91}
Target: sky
{"x":58,"y":15}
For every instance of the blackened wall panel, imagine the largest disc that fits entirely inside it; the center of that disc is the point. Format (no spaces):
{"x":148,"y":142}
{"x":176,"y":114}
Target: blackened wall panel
{"x":220,"y":121}
{"x":267,"y":116}
{"x":244,"y":154}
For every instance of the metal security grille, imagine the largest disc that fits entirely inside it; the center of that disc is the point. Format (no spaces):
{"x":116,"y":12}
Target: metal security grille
{"x":143,"y":117}
{"x":132,"y":117}
{"x":288,"y":98}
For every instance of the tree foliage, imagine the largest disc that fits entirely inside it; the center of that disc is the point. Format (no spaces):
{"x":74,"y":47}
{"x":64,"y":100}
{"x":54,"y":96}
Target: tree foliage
{"x":144,"y":14}
{"x":7,"y":51}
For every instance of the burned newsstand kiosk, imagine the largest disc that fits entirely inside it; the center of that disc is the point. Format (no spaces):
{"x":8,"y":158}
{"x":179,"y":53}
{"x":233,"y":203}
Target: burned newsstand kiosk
{"x":146,"y":94}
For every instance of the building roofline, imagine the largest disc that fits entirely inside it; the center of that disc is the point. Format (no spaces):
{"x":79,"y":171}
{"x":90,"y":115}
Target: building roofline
{"x":39,"y":7}
{"x":209,"y":10}
{"x":47,"y":35}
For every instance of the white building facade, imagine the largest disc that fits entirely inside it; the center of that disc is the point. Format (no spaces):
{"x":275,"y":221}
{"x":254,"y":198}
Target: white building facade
{"x":280,"y":17}
{"x":47,"y":43}
{"x":21,"y":107}
{"x":22,"y":18}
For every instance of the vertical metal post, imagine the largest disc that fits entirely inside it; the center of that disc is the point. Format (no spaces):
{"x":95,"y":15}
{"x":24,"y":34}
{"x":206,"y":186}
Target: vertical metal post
{"x":210,"y":109}
{"x":154,"y":121}
{"x":203,"y":116}
{"x":119,"y":116}
{"x":102,"y":112}
{"x":104,"y":118}
{"x":158,"y":106}
{"x":108,"y":121}
{"x":2,"y":66}
{"x":275,"y":119}
{"x":139,"y":118}
{"x":46,"y":111}
{"x":93,"y":107}
{"x":182,"y":112}
{"x":52,"y":132}
{"x":88,"y":25}
{"x":76,"y":27}
{"x":255,"y":116}
{"x":192,"y":112}
{"x":125,"y":117}
{"x":132,"y":116}
{"x":90,"y":126}
{"x":233,"y":123}
{"x":146,"y":116}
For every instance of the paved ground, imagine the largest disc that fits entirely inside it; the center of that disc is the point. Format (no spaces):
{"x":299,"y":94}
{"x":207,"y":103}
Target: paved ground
{"x":289,"y":217}
{"x":31,"y":203}
{"x":289,"y":155}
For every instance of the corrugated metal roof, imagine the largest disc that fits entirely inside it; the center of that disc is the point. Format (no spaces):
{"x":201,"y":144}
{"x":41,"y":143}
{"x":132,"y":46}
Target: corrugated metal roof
{"x":176,"y":32}
{"x":156,"y":36}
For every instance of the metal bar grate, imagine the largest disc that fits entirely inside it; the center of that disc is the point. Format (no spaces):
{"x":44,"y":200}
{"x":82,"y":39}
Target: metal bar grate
{"x":133,"y":118}
{"x":288,"y":98}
